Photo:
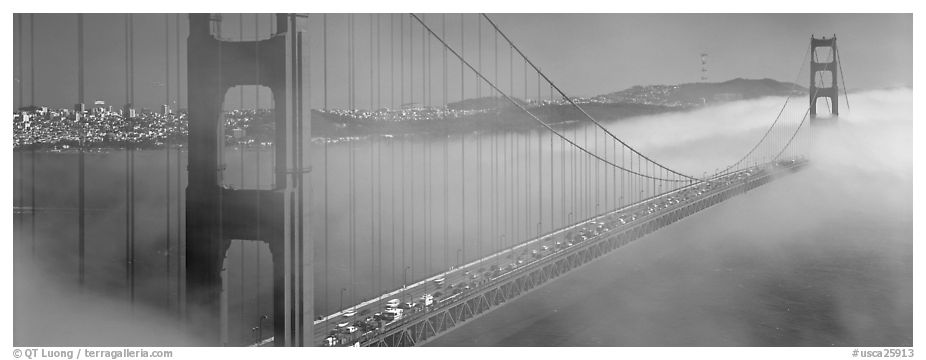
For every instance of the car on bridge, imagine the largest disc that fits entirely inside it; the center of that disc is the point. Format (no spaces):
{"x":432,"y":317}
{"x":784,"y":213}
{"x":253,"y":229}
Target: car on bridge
{"x":331,"y":341}
{"x":426,"y":300}
{"x":349,"y":313}
{"x":393,"y":314}
{"x":392,"y":303}
{"x":367,"y":325}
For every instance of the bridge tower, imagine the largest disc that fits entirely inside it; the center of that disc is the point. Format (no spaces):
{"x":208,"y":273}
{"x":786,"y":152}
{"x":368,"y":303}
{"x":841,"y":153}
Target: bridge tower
{"x":823,"y":71}
{"x":216,"y":214}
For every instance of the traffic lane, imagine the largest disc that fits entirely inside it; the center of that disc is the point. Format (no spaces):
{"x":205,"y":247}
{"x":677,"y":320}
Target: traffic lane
{"x":458,"y":276}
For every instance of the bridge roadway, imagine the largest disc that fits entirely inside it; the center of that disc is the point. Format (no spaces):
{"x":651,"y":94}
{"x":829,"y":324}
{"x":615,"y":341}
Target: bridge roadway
{"x":520,"y":271}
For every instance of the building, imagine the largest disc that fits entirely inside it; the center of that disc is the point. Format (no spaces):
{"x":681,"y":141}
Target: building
{"x":128,"y":111}
{"x":99,"y":107}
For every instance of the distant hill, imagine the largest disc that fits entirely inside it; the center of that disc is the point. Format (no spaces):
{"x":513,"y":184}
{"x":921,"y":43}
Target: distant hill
{"x":697,"y":94}
{"x":483,"y":113}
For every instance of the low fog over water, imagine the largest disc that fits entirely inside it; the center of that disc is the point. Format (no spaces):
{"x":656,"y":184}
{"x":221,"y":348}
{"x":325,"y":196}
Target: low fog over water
{"x":819,"y":258}
{"x":822,"y":257}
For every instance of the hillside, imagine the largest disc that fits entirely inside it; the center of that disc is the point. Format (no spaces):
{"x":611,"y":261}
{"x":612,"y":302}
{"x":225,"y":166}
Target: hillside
{"x":698,"y":94}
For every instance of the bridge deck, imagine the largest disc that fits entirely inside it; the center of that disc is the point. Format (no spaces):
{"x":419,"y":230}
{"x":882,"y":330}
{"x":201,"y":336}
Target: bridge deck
{"x":520,"y":272}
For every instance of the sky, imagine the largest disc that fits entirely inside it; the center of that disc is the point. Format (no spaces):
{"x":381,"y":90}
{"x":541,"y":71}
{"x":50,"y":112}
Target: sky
{"x":583,"y":54}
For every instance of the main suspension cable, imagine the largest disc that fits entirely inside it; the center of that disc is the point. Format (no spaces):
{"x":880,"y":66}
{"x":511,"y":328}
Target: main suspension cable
{"x":534,"y":117}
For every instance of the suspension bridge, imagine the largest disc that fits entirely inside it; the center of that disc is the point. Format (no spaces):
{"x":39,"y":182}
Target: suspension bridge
{"x":343,"y":180}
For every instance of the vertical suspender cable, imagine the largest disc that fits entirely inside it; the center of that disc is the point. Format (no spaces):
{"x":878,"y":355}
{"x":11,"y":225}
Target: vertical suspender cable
{"x":495,"y":184}
{"x":411,"y":97}
{"x":446,"y":163}
{"x":132,"y":147}
{"x":527,"y":170}
{"x":258,"y":117}
{"x":598,"y":186}
{"x":180,"y":248}
{"x":540,"y":172}
{"x":379,"y":168}
{"x":19,"y":70}
{"x":392,"y":61}
{"x":586,"y":173}
{"x":32,"y":62}
{"x":552,"y":171}
{"x":402,"y":182}
{"x":479,"y":200}
{"x":379,"y":196}
{"x":392,"y":184}
{"x":351,"y":179}
{"x":392,"y":166}
{"x":574,"y":184}
{"x":842,"y":75}
{"x":426,"y":144}
{"x":402,"y":68}
{"x":632,"y":180}
{"x":167,"y":159}
{"x":78,"y":114}
{"x":372,"y":192}
{"x":241,"y":118}
{"x":224,"y":317}
{"x":325,"y":142}
{"x":562,"y":170}
{"x":462,"y":151}
{"x":126,"y":113}
{"x":512,"y":177}
{"x":19,"y":78}
{"x":33,"y":144}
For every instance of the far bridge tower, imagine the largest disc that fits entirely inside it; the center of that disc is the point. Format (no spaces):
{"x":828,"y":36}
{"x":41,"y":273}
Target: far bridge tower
{"x":823,"y":79}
